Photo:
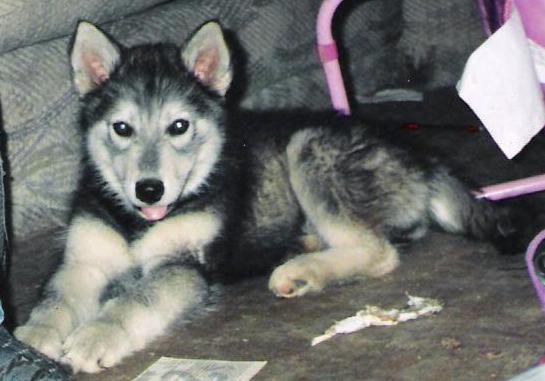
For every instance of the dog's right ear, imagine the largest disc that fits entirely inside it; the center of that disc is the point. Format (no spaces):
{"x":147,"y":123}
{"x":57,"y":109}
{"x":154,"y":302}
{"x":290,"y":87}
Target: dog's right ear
{"x":93,"y":57}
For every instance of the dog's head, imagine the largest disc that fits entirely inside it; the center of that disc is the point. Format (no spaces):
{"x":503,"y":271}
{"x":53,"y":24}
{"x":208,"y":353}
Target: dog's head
{"x":152,"y":114}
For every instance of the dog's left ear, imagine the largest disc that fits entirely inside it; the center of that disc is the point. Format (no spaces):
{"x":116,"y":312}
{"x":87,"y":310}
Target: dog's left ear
{"x":207,"y":56}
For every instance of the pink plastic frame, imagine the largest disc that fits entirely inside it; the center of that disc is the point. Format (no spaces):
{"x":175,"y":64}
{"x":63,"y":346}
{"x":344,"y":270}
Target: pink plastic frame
{"x":327,"y":51}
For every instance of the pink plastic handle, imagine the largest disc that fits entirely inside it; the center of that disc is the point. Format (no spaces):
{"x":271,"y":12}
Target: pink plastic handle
{"x":327,"y":50}
{"x":512,"y":188}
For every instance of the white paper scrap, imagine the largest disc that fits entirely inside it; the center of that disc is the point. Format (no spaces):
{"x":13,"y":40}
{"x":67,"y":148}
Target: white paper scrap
{"x":500,"y":83}
{"x":534,"y":374}
{"x":373,"y":315}
{"x":174,"y":369}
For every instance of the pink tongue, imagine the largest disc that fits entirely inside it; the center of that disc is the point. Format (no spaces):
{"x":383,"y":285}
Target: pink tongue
{"x":154,"y":213}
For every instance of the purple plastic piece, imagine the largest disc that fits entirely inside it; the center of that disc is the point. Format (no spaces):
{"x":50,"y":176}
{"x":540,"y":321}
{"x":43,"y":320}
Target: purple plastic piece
{"x":327,"y":50}
{"x":530,"y":254}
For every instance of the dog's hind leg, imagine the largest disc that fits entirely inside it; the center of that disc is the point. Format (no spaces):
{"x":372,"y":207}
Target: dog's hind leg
{"x":94,"y":255}
{"x":353,"y":248}
{"x":351,"y":251}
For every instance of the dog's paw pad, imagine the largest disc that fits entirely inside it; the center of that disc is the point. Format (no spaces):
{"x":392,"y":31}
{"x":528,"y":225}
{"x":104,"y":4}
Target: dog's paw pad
{"x":291,"y":280}
{"x":96,"y":346}
{"x":44,"y":339}
{"x":290,"y":288}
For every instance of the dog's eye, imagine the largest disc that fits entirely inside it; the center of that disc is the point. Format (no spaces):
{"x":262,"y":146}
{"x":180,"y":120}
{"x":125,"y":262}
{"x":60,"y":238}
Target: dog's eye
{"x":178,"y":127}
{"x":122,"y":129}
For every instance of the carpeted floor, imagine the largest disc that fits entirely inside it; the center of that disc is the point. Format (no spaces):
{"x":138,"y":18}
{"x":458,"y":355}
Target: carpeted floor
{"x":491,"y":327}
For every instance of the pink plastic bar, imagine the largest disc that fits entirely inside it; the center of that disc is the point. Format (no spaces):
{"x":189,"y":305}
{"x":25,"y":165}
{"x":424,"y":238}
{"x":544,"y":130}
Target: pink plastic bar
{"x":327,"y":50}
{"x":512,"y":188}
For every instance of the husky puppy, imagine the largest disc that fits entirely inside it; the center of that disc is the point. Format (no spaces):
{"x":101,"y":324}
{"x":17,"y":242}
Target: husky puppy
{"x":172,"y":189}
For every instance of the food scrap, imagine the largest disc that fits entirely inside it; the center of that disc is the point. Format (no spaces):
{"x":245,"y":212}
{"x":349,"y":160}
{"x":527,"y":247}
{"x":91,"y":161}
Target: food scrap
{"x":374,"y":315}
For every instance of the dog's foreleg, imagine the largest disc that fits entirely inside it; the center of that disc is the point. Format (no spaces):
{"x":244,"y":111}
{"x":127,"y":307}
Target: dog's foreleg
{"x":94,"y":254}
{"x":130,"y":321}
{"x":166,"y":291}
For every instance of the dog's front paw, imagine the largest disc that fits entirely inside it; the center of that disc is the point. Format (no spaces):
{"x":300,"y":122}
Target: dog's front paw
{"x":294,"y":278}
{"x":96,"y":346}
{"x":43,"y":338}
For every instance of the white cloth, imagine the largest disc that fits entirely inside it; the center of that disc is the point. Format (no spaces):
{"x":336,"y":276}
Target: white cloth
{"x":500,"y":83}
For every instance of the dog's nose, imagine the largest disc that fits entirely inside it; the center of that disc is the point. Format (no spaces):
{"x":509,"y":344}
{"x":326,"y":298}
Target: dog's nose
{"x":149,"y":190}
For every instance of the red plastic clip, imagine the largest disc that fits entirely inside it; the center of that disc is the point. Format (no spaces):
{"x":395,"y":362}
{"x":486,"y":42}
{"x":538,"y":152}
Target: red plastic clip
{"x":411,"y":126}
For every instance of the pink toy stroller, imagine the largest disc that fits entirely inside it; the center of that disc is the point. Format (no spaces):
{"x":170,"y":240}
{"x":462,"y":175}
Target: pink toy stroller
{"x":494,"y":13}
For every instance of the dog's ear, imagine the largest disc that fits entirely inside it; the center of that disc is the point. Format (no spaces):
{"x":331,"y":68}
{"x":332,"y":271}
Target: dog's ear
{"x":207,"y":56}
{"x":93,"y":57}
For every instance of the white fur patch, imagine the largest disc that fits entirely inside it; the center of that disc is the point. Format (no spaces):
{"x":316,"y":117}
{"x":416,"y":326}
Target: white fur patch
{"x":446,"y":214}
{"x":174,"y":235}
{"x":206,"y":157}
{"x":92,"y":242}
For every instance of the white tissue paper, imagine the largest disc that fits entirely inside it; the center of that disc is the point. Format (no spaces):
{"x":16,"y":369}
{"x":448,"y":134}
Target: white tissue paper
{"x":500,"y":83}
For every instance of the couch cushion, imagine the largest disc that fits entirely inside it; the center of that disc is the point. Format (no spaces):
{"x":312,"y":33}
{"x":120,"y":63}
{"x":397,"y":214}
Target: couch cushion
{"x":25,"y":22}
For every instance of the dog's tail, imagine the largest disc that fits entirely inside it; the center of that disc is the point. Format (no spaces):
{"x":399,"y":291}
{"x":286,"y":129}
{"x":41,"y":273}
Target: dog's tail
{"x":456,"y":210}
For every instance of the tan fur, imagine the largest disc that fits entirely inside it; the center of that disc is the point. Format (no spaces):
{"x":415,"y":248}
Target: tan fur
{"x":352,"y":252}
{"x":167,"y":238}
